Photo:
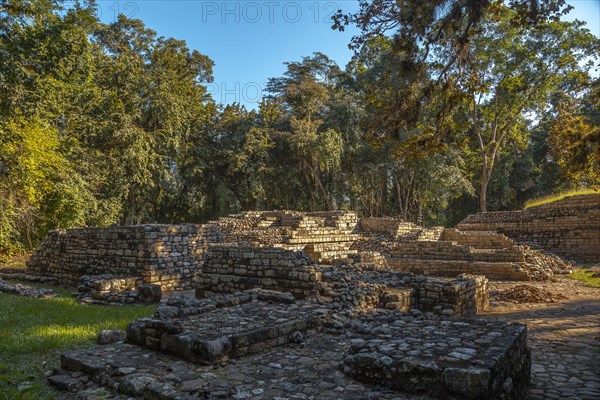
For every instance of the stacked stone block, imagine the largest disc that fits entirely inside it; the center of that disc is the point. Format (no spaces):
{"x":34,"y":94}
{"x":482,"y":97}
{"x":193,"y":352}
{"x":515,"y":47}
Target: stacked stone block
{"x":165,"y":255}
{"x":230,"y":269}
{"x":569,"y":227}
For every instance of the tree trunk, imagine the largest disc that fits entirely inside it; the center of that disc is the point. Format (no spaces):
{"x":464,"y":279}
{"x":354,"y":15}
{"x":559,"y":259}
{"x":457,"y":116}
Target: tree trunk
{"x":483,"y":191}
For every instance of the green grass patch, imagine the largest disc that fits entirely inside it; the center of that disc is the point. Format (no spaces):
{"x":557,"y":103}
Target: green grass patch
{"x":586,"y":276}
{"x":33,"y":333}
{"x":14,"y":262}
{"x":558,"y":196}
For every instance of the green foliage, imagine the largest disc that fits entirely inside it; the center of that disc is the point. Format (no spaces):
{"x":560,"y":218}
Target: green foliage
{"x":109,"y":123}
{"x":34,"y":172}
{"x":574,"y":138}
{"x":87,"y":136}
{"x":512,"y":74}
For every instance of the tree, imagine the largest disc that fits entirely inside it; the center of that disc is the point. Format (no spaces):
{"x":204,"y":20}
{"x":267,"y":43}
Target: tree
{"x":511,"y":76}
{"x":574,"y":139}
{"x":121,"y":104}
{"x":153,"y":98}
{"x":418,"y":27}
{"x":306,"y":91}
{"x":32,"y":195}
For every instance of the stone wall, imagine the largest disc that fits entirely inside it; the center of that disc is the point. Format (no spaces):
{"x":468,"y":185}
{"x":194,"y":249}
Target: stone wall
{"x":569,"y":228}
{"x":165,"y":255}
{"x":429,"y":250}
{"x":477,"y":240}
{"x":170,"y":255}
{"x":492,"y":270}
{"x":230,"y":269}
{"x":388,"y":226}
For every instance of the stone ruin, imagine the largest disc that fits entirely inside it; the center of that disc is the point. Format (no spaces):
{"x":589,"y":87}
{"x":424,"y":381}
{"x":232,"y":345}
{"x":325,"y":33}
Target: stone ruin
{"x":569,"y":227}
{"x":298,"y":305}
{"x":267,"y":344}
{"x":126,"y":264}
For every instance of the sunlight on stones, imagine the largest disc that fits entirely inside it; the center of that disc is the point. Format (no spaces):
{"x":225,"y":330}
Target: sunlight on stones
{"x":276,"y":303}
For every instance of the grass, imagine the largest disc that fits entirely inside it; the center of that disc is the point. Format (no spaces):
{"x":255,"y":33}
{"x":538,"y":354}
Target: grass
{"x":14,"y":263}
{"x":586,"y":276}
{"x":33,"y":333}
{"x":558,"y":196}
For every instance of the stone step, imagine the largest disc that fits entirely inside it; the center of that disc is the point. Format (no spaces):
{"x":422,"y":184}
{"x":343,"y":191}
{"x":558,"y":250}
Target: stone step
{"x":217,"y":335}
{"x":491,"y":270}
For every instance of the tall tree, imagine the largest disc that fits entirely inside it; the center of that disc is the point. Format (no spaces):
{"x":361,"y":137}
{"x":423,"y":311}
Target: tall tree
{"x":510,"y":77}
{"x":306,"y":90}
{"x":574,"y":139}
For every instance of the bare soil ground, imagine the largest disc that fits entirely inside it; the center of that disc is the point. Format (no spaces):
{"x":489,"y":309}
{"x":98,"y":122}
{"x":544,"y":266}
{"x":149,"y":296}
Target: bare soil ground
{"x":564,"y":336}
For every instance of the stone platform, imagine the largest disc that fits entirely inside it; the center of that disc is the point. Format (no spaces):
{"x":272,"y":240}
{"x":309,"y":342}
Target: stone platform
{"x":265,"y":345}
{"x":469,"y":359}
{"x":247,"y":323}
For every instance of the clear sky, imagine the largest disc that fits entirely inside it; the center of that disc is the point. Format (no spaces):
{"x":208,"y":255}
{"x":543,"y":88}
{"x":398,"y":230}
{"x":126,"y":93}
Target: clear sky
{"x":249,"y":40}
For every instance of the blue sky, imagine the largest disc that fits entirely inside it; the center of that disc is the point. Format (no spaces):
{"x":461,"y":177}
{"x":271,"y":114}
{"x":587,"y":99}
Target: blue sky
{"x":249,"y":40}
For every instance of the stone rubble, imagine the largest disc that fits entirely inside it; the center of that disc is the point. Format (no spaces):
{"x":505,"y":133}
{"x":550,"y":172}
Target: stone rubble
{"x":27,"y":291}
{"x":109,"y":290}
{"x":528,"y":294}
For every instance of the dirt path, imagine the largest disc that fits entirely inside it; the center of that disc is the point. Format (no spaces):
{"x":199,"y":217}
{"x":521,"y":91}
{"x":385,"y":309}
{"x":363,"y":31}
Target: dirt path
{"x":564,"y":338}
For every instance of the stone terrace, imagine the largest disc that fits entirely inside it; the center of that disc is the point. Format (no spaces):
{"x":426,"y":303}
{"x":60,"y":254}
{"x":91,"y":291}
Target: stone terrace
{"x":569,"y":227}
{"x":110,"y":264}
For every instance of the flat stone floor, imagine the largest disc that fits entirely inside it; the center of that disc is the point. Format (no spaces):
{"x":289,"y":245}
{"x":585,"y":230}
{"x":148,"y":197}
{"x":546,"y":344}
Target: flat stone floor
{"x":564,"y":338}
{"x":307,"y":371}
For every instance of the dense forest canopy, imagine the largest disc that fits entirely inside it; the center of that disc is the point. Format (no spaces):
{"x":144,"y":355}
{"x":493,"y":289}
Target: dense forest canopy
{"x":447,"y":107}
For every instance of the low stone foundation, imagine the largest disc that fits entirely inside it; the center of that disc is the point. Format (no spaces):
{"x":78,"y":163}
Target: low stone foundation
{"x":232,"y":327}
{"x":26,"y":291}
{"x":301,"y":347}
{"x":489,"y":361}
